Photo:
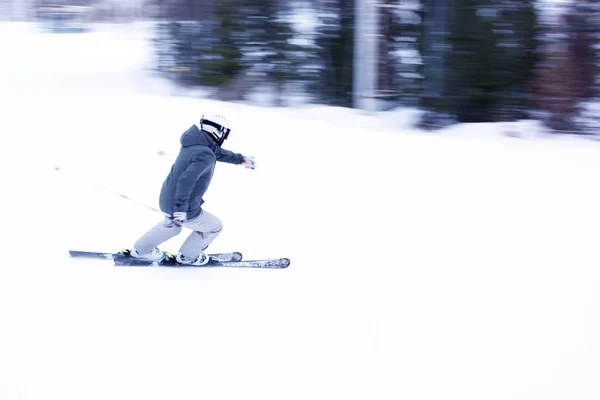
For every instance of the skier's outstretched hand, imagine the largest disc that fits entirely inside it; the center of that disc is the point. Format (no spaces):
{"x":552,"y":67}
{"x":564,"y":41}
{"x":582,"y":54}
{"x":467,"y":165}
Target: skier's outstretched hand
{"x":249,"y":162}
{"x":179,"y":218}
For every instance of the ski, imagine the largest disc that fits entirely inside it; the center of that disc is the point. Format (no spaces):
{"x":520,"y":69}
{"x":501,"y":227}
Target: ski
{"x":228,"y":257}
{"x":277,"y":263}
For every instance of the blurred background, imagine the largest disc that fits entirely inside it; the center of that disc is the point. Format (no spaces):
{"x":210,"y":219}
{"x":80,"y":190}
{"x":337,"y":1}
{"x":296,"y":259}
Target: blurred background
{"x":431,"y":260}
{"x":453,"y":60}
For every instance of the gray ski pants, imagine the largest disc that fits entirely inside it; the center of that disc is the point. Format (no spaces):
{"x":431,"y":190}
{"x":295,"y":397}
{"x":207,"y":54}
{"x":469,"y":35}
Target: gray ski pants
{"x":206,"y":227}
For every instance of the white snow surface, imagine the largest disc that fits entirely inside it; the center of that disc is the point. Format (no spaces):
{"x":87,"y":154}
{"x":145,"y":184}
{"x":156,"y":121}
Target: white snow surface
{"x":424,"y":266}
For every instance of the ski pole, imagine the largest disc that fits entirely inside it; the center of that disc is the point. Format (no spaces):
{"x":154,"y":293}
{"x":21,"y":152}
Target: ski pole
{"x":58,"y":169}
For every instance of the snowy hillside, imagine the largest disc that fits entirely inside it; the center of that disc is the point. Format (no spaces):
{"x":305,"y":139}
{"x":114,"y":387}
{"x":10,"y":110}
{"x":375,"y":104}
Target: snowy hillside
{"x":425,"y":266}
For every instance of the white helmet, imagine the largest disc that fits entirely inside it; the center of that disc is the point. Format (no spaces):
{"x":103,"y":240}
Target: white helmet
{"x":217,"y":126}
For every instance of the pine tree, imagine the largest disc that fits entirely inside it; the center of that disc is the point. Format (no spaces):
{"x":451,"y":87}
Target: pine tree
{"x":268,"y":42}
{"x":181,"y":37}
{"x":567,"y":78}
{"x":492,"y":61}
{"x":435,"y":49}
{"x":222,"y":62}
{"x":516,"y":28}
{"x":335,"y":42}
{"x":405,"y":49}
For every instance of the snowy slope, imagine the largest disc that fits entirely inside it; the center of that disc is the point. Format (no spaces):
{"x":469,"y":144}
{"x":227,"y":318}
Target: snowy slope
{"x":424,"y":266}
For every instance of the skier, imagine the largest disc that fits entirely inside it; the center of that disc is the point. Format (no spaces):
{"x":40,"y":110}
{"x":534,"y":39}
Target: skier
{"x":182,"y":191}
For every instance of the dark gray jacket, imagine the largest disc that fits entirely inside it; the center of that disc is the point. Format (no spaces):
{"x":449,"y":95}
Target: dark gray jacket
{"x":192,"y":171}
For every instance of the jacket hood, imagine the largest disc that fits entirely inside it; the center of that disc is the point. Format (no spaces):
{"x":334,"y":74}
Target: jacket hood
{"x":195,"y":137}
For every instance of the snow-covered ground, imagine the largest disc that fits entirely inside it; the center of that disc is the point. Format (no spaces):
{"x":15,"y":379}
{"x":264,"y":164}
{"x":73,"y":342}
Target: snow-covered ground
{"x":425,"y":266}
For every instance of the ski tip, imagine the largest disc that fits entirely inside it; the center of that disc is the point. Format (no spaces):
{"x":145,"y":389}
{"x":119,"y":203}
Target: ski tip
{"x":285,"y":262}
{"x":237,"y":256}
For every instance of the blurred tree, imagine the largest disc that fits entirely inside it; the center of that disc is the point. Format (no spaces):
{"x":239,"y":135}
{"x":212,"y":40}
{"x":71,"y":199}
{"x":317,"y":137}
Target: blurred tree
{"x":473,"y":80}
{"x":335,"y":49}
{"x":567,"y":77}
{"x":492,"y":62}
{"x":480,"y":58}
{"x":517,"y":30}
{"x":434,"y":50}
{"x":400,"y":49}
{"x":269,"y":51}
{"x":230,"y":45}
{"x":409,"y":41}
{"x":181,"y":37}
{"x":181,"y":10}
{"x":222,"y":61}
